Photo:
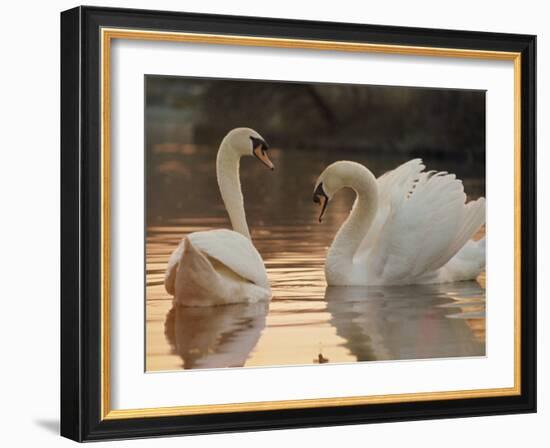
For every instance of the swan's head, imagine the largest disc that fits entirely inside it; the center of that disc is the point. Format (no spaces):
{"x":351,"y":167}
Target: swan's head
{"x":247,"y":142}
{"x":336,"y":176}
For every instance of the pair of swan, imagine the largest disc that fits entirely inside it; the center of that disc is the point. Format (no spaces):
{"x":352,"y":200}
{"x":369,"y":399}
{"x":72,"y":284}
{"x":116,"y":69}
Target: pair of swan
{"x":408,"y":226}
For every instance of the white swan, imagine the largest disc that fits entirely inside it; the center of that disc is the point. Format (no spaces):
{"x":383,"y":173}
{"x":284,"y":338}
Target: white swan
{"x":408,"y":226}
{"x":218,"y":267}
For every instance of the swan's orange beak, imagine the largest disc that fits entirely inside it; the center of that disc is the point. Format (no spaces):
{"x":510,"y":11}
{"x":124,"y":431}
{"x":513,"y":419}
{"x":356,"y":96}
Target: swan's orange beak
{"x":261,"y":154}
{"x":321,"y":198}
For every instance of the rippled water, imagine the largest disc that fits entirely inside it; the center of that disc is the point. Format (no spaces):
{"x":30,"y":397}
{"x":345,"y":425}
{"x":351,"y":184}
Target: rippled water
{"x":306,"y":322}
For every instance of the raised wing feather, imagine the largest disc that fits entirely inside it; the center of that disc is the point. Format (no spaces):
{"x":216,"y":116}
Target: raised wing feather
{"x":394,"y":184}
{"x":229,"y":248}
{"x":425,"y":226}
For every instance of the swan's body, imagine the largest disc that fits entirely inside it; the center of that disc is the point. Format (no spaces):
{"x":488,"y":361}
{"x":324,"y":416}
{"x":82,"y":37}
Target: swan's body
{"x":406,"y":227}
{"x":218,"y":267}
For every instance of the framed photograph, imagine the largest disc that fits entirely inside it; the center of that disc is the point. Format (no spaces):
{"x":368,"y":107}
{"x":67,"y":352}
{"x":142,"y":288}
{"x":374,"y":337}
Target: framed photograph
{"x":276,"y":224}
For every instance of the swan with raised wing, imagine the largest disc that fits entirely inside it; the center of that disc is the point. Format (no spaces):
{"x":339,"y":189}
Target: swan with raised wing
{"x":222,"y":266}
{"x":409,"y":226}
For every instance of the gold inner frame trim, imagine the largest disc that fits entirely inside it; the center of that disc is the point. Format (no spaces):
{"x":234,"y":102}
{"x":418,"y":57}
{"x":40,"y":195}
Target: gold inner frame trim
{"x":107,"y":35}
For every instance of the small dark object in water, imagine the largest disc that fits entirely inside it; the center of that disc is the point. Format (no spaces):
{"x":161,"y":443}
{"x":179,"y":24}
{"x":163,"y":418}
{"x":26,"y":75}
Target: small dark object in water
{"x":321,"y":359}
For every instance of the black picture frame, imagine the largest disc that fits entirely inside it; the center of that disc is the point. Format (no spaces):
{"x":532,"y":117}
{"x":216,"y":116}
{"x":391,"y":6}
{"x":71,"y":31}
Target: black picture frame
{"x":81,"y":227}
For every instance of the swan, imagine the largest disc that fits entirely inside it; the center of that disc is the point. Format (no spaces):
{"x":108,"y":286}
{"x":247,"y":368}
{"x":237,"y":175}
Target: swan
{"x":222,"y":266}
{"x":409,"y":226}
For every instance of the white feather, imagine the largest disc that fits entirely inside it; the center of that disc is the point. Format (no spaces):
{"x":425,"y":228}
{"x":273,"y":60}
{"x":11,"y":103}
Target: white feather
{"x":420,"y":223}
{"x":218,"y":267}
{"x":230,"y":248}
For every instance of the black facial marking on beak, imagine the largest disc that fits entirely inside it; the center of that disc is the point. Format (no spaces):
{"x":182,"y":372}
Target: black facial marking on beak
{"x":321,"y":198}
{"x":259,"y":149}
{"x":259,"y":142}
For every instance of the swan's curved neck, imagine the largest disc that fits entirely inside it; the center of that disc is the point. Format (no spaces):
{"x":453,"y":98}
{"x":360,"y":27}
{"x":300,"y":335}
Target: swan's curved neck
{"x":351,"y":233}
{"x":227,"y":171}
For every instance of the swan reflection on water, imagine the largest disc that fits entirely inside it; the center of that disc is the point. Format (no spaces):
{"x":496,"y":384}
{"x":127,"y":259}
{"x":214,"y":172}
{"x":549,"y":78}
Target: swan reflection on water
{"x":370,"y":323}
{"x":215,"y":336}
{"x":409,"y":322}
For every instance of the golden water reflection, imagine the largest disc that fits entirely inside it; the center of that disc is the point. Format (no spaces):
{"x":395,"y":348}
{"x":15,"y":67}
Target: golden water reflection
{"x":306,"y":322}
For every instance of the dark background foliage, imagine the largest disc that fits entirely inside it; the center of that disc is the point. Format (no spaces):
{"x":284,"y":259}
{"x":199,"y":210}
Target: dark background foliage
{"x":441,"y":123}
